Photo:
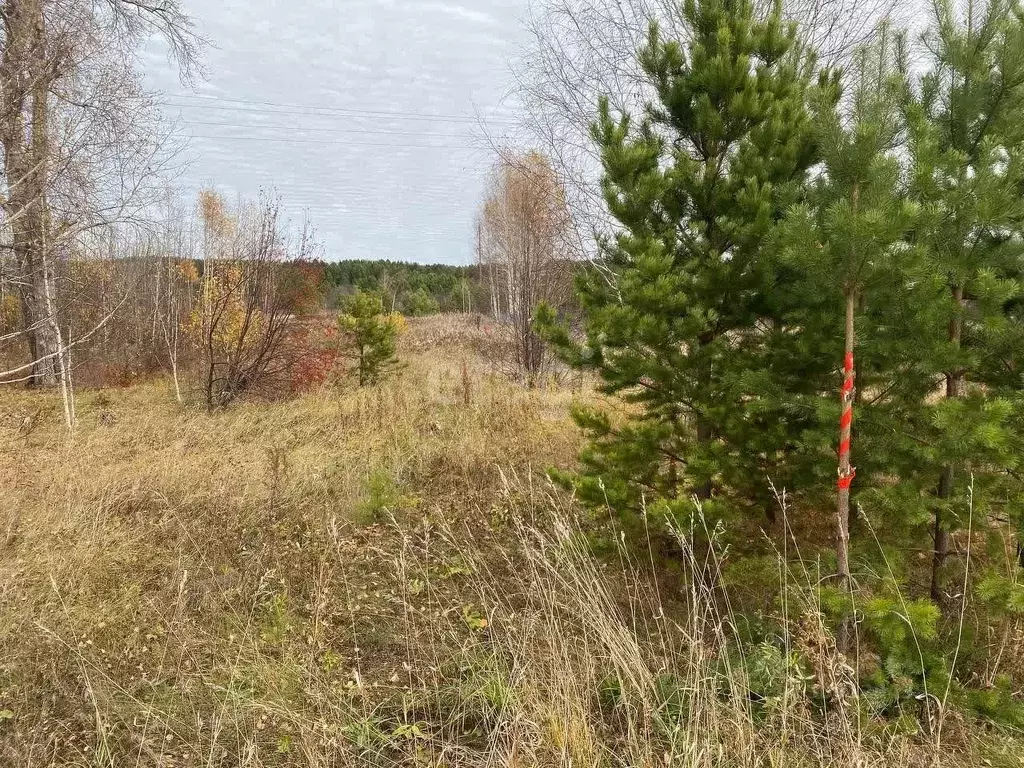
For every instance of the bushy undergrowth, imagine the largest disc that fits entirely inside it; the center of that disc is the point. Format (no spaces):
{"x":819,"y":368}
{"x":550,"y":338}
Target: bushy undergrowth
{"x":385,"y":577}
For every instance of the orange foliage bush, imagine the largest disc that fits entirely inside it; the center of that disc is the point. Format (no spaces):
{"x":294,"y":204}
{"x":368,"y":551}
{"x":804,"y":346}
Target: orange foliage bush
{"x":314,"y":349}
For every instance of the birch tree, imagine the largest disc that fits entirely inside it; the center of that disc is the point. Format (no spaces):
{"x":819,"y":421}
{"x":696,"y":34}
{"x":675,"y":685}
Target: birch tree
{"x":523,"y":251}
{"x":82,"y":143}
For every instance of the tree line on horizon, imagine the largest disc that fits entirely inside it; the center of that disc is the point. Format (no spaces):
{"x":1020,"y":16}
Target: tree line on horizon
{"x":408,"y":287}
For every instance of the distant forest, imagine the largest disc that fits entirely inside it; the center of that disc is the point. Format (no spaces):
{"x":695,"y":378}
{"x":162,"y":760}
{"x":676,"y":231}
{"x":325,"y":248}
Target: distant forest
{"x":413,"y":289}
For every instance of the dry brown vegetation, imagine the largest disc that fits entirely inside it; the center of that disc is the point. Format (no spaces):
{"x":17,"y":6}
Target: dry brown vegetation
{"x":367,"y":577}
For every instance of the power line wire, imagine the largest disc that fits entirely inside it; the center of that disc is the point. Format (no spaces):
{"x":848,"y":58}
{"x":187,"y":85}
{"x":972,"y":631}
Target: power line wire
{"x":328,"y":110}
{"x":345,"y":143}
{"x":290,"y":113}
{"x":303,"y":113}
{"x":337,"y":130}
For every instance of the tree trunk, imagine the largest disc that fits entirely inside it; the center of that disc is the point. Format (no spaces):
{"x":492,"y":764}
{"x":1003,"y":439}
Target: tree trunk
{"x":954,"y":388}
{"x":846,"y":470}
{"x":705,"y":431}
{"x":705,"y":434}
{"x":24,"y":131}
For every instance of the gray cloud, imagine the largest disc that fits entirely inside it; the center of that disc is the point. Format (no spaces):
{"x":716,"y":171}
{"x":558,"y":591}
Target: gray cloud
{"x":355,"y":147}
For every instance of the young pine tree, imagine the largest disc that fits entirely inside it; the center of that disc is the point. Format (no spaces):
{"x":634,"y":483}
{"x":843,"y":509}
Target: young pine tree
{"x":370,"y":336}
{"x":859,"y":286}
{"x":966,"y":152}
{"x":677,"y":312}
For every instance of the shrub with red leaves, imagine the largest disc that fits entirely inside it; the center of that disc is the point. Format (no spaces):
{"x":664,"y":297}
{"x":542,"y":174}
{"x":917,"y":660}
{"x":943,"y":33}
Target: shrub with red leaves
{"x":315,"y":349}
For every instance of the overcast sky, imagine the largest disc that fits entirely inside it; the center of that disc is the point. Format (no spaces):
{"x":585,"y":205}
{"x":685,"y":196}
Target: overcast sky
{"x":362,"y":112}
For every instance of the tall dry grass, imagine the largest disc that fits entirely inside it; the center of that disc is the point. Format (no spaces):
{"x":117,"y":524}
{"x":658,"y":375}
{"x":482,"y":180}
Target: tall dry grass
{"x":373,"y":577}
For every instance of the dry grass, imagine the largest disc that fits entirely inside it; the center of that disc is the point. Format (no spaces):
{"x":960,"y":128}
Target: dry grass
{"x":376,"y":577}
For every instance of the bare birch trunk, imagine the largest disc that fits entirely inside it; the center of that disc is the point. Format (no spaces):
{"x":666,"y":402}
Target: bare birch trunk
{"x":24,"y":127}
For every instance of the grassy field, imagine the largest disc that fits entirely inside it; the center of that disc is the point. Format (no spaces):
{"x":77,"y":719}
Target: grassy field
{"x":370,"y":577}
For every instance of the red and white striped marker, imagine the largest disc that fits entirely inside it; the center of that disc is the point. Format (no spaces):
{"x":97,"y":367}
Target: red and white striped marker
{"x":846,"y":472}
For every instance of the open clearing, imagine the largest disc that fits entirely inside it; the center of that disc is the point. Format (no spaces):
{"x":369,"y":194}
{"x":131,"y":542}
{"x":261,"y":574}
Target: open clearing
{"x":365,"y":577}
